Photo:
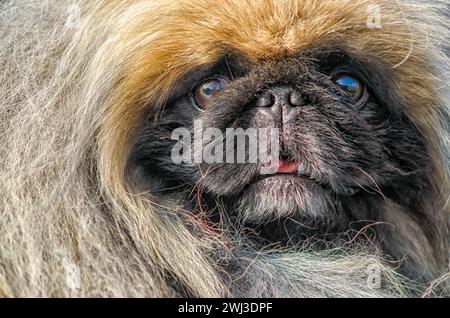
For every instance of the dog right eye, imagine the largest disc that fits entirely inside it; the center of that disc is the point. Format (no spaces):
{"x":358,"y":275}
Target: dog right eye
{"x":206,"y":90}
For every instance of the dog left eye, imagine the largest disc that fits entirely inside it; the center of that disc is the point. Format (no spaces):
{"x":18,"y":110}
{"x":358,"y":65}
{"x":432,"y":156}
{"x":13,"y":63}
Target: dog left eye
{"x":354,"y":86}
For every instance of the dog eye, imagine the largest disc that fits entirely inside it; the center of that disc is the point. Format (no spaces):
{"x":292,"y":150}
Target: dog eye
{"x":206,"y":90}
{"x":354,"y":86}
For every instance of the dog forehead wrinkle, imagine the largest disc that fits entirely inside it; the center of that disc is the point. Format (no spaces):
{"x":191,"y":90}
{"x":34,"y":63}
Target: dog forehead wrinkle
{"x":261,"y":76}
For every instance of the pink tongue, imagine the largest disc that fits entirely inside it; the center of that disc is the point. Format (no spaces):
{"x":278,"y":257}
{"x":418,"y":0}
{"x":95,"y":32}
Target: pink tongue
{"x":288,"y":167}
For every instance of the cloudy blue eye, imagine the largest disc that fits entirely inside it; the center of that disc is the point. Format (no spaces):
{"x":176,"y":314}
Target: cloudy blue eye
{"x":352,"y":85}
{"x":206,"y":90}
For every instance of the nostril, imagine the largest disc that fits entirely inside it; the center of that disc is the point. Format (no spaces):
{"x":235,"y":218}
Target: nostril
{"x":296,"y":99}
{"x":281,"y":96}
{"x":265,"y":100}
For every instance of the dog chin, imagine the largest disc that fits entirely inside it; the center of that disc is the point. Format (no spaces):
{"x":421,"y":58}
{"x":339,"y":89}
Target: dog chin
{"x":279,"y":196}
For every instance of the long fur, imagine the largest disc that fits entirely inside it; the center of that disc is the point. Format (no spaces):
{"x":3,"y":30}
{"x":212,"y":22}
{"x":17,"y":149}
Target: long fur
{"x":71,"y":98}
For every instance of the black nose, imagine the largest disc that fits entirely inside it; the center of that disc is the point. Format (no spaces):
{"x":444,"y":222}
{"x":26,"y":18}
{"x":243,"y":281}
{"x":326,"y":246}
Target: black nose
{"x":281,"y":96}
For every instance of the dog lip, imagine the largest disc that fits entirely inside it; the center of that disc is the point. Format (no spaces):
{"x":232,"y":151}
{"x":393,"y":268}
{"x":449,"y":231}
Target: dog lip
{"x":288,"y":167}
{"x":285,"y":167}
{"x":286,"y":170}
{"x":294,"y":171}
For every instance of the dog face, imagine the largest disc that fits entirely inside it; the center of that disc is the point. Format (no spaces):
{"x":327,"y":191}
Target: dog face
{"x":337,"y":95}
{"x":345,"y":137}
{"x":341,"y":126}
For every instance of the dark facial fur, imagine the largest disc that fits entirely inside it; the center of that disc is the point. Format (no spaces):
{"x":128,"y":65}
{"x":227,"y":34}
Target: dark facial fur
{"x":359,"y":160}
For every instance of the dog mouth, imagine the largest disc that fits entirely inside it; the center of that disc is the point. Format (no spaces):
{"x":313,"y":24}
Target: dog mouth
{"x":288,"y":167}
{"x":296,"y":207}
{"x":286,"y":170}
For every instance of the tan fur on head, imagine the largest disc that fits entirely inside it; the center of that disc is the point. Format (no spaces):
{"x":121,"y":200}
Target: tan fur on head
{"x":72,"y":98}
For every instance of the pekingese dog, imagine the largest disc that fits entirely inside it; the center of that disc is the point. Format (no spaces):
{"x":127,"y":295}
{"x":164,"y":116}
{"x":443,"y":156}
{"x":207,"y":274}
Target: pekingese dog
{"x":238,"y":148}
